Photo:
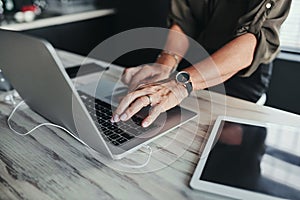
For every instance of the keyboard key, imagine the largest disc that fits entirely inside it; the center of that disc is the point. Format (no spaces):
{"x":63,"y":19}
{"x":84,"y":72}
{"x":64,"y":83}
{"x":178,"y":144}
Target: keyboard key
{"x":99,"y":127}
{"x":108,"y":132}
{"x":106,"y":117}
{"x":137,"y":120}
{"x":106,"y":124}
{"x":127,"y":136}
{"x":119,"y":131}
{"x":101,"y":121}
{"x":121,"y":140}
{"x":114,"y":136}
{"x":112,"y":127}
{"x":115,"y":143}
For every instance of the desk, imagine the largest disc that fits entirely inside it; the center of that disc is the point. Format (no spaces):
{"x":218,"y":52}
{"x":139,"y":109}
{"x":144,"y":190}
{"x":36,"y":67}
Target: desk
{"x":50,"y":164}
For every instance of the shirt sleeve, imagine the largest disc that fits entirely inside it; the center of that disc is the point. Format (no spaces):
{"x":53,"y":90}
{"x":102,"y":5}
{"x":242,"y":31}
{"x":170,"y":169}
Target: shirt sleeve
{"x":264,"y":20}
{"x":182,"y":15}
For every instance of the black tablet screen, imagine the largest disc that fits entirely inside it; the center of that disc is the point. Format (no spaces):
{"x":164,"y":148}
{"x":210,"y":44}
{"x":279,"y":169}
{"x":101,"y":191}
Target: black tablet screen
{"x":260,"y":159}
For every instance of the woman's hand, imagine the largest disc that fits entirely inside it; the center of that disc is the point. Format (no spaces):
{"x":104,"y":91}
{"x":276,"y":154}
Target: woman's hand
{"x":161,"y":96}
{"x":135,"y":76}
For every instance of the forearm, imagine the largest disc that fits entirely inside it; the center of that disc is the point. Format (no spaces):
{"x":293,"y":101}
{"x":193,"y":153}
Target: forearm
{"x":224,"y":63}
{"x":177,"y":43}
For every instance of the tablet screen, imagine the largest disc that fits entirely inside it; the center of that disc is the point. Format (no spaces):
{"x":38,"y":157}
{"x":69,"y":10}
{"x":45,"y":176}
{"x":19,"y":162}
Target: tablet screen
{"x":260,"y":159}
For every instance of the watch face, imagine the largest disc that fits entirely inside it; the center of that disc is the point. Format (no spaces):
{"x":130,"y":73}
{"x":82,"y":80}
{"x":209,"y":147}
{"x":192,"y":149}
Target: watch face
{"x":183,"y":77}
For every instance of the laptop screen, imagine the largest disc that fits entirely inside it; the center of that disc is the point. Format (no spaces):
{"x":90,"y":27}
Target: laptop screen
{"x":260,"y":159}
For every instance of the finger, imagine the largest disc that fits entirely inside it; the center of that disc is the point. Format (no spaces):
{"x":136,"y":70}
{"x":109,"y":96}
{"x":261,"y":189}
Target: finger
{"x":156,"y":97}
{"x":129,"y":99}
{"x":171,"y":100}
{"x":167,"y":101}
{"x":154,"y":113}
{"x":129,"y":73}
{"x":135,"y":107}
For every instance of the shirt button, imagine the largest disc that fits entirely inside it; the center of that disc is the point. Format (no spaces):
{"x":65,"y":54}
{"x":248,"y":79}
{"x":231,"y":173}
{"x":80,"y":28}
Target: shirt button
{"x":268,"y":5}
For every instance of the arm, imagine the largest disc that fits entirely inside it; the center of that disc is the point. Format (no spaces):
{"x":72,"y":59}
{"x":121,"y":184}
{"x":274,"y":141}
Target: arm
{"x":177,"y":43}
{"x":224,"y":63}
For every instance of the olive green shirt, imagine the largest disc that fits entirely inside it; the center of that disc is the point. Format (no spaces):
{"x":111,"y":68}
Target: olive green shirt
{"x":213,"y":23}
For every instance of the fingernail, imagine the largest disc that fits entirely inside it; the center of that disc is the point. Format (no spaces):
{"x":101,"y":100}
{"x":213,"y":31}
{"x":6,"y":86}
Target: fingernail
{"x":123,"y":117}
{"x":145,"y":124}
{"x":116,"y":118}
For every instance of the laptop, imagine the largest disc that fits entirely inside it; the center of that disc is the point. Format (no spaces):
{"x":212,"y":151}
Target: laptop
{"x":34,"y":69}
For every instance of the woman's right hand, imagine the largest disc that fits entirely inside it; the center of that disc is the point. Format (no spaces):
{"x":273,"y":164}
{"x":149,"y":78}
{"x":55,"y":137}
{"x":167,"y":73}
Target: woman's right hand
{"x":135,"y":76}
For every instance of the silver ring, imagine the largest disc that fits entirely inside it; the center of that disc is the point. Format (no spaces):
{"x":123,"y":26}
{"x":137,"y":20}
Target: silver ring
{"x":150,"y":99}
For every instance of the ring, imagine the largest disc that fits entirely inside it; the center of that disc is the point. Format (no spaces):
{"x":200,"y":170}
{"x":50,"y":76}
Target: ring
{"x":150,"y":99}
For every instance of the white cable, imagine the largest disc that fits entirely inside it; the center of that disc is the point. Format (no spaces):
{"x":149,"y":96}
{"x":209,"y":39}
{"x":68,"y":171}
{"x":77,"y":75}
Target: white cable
{"x":32,"y":130}
{"x":66,"y":130}
{"x":141,"y":165}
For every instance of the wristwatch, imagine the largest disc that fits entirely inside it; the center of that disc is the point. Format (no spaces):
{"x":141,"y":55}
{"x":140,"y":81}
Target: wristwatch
{"x":184,"y":79}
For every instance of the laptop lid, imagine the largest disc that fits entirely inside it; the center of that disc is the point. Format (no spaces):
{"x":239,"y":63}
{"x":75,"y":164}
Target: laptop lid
{"x":33,"y":68}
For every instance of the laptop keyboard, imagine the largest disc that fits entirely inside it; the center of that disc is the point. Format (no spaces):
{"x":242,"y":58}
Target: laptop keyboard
{"x":115,"y":133}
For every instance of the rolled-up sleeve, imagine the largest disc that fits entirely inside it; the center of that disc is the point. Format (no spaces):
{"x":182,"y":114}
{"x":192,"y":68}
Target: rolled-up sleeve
{"x":264,"y":20}
{"x":181,"y":14}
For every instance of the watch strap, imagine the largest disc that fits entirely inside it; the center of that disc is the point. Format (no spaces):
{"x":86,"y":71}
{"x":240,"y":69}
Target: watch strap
{"x":189,"y":87}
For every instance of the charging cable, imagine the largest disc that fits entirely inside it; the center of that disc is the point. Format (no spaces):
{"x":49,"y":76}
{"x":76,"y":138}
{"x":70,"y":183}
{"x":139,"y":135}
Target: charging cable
{"x":32,"y":130}
{"x":141,"y":165}
{"x":66,"y":130}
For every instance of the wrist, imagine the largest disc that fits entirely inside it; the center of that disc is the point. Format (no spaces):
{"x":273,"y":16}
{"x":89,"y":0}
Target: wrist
{"x":184,"y":90}
{"x":169,"y":60}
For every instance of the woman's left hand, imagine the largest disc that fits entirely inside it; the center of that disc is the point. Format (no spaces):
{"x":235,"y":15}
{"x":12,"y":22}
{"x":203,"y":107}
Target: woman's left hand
{"x":161,"y":96}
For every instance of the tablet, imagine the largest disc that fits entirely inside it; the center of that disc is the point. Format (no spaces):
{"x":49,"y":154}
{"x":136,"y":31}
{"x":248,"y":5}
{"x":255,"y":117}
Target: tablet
{"x":245,"y":159}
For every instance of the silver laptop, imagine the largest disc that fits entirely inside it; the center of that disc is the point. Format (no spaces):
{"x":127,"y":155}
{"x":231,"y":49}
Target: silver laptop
{"x":33,"y":68}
